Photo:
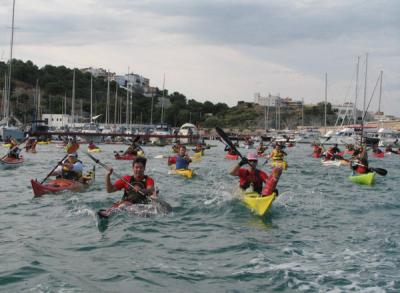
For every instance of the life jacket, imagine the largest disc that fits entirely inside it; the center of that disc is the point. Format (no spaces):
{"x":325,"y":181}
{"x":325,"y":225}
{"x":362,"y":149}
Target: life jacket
{"x":135,"y":197}
{"x":181,"y":163}
{"x":70,"y":174}
{"x":270,"y":186}
{"x":277,"y":155}
{"x":252,"y":178}
{"x":361,"y":169}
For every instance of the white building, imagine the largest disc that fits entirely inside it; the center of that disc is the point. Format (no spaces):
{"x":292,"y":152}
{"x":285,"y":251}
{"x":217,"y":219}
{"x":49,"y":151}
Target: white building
{"x":57,"y":120}
{"x":269,"y":100}
{"x":136,"y":80}
{"x":96,"y":72}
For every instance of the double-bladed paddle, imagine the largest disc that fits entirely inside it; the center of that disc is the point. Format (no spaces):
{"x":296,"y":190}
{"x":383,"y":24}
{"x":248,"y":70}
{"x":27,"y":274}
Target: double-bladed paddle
{"x":164,"y":204}
{"x":71,"y":149}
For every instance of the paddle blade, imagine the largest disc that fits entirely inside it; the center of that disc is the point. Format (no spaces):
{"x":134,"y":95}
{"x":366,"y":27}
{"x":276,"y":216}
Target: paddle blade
{"x":380,"y":171}
{"x":72,"y":148}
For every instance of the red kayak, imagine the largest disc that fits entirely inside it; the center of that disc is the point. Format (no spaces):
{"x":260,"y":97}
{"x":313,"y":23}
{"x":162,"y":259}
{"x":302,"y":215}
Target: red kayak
{"x":231,"y":157}
{"x":126,"y":157}
{"x":58,"y":185}
{"x":316,"y":155}
{"x":378,"y":155}
{"x":11,"y":161}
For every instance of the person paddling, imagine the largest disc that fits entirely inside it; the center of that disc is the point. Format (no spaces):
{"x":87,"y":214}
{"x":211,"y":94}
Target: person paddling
{"x":30,"y":145}
{"x":92,"y":146}
{"x":317,"y":150}
{"x":332,"y":153}
{"x":376,"y":149}
{"x":14,"y":149}
{"x":182,"y":159}
{"x":277,"y":153}
{"x":143,"y":186}
{"x":230,"y":150}
{"x":261,"y":149}
{"x":133,"y":149}
{"x":71,"y":168}
{"x":359,"y":164}
{"x":250,"y":176}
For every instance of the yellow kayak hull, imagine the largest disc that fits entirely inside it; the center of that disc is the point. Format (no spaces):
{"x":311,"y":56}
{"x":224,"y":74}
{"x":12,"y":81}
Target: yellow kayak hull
{"x":188,"y":173}
{"x":281,"y":164}
{"x":258,"y":204}
{"x":43,"y":142}
{"x":7,"y":145}
{"x":94,"y":150}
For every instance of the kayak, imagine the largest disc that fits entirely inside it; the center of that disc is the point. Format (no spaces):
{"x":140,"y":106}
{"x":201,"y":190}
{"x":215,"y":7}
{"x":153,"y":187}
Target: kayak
{"x":336,"y":163}
{"x":126,"y":157}
{"x":366,"y":179}
{"x":258,"y":204}
{"x":279,"y":163}
{"x":231,"y":157}
{"x":152,"y":208}
{"x":10,"y":161}
{"x":7,"y":145}
{"x":188,"y":173}
{"x":378,"y":155}
{"x":44,"y":142}
{"x":196,"y":157}
{"x":58,"y":185}
{"x":95,"y":150}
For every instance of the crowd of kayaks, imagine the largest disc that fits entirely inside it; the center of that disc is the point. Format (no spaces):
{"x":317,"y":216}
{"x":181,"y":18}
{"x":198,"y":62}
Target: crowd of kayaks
{"x":259,"y":205}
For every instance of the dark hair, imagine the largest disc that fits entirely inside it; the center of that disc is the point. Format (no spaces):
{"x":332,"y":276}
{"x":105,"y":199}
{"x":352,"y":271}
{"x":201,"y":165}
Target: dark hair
{"x":140,"y":160}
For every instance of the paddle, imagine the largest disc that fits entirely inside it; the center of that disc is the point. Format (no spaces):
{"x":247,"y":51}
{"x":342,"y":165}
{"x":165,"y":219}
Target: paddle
{"x":71,"y":149}
{"x":164,"y":204}
{"x":225,"y":137}
{"x":15,"y":146}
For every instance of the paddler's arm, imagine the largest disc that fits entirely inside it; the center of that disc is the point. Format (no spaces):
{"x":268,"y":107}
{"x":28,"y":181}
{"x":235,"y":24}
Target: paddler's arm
{"x":235,"y":170}
{"x":109,"y":187}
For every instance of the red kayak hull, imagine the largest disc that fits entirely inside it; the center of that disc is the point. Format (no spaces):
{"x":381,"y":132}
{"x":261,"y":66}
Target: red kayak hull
{"x":378,"y":155}
{"x":9,"y":161}
{"x":231,"y":157}
{"x":55,"y":186}
{"x":124,"y":157}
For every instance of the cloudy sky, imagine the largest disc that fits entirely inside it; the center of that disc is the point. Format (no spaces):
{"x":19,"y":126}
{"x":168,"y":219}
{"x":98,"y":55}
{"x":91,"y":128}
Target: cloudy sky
{"x":220,"y":50}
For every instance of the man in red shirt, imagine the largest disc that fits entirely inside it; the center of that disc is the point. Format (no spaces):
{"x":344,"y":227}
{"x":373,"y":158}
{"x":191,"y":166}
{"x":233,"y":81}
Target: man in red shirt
{"x":250,"y":176}
{"x":143,"y":185}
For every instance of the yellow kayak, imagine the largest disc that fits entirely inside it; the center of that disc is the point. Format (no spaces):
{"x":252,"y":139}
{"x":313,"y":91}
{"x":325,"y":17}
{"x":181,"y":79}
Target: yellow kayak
{"x":43,"y":142}
{"x":258,"y":204}
{"x":96,"y":150}
{"x":279,"y":163}
{"x":7,"y":145}
{"x":188,"y":173}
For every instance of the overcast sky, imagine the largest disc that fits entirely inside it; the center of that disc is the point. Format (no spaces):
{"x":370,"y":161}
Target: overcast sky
{"x":220,"y":50}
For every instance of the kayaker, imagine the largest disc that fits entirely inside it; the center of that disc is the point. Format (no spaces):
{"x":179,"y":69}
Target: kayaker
{"x":199,"y":149}
{"x":14,"y":149}
{"x":317,"y":150}
{"x":277,"y":153}
{"x":272,"y":182}
{"x":92,"y":146}
{"x":388,"y":149}
{"x":143,"y":185}
{"x":176,"y":146}
{"x":182,"y":159}
{"x":376,"y":149}
{"x":72,"y":168}
{"x":261,"y":149}
{"x":359,"y":164}
{"x":250,"y":176}
{"x":230,"y":150}
{"x":332,"y":153}
{"x":132,"y":149}
{"x":30,"y":145}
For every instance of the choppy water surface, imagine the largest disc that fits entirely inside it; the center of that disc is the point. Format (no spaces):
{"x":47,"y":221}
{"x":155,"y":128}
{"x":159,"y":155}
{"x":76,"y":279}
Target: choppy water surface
{"x":323,"y":233}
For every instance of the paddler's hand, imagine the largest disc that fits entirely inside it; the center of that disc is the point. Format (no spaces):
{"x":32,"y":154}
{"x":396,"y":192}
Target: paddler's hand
{"x":244,"y":161}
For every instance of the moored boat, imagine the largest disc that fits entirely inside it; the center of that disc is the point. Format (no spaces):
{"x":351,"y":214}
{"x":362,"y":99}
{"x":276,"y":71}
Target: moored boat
{"x":259,"y":204}
{"x":365,"y":179}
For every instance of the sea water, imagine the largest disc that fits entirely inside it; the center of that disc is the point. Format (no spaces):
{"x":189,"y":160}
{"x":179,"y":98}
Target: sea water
{"x":323,"y":233}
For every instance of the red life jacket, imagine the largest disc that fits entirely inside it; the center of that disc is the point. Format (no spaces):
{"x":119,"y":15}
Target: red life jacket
{"x":252,"y":178}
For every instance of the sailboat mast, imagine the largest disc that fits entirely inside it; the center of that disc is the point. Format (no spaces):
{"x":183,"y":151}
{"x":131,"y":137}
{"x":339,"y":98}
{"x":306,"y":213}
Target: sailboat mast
{"x":108,"y":99}
{"x":162,"y":101}
{"x":326,"y":96}
{"x":91,"y":98}
{"x":115,"y":103}
{"x":10,"y":64}
{"x":127,"y":100}
{"x":355,"y":100}
{"x":380,"y":94}
{"x":365,"y":97}
{"x":73,"y":101}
